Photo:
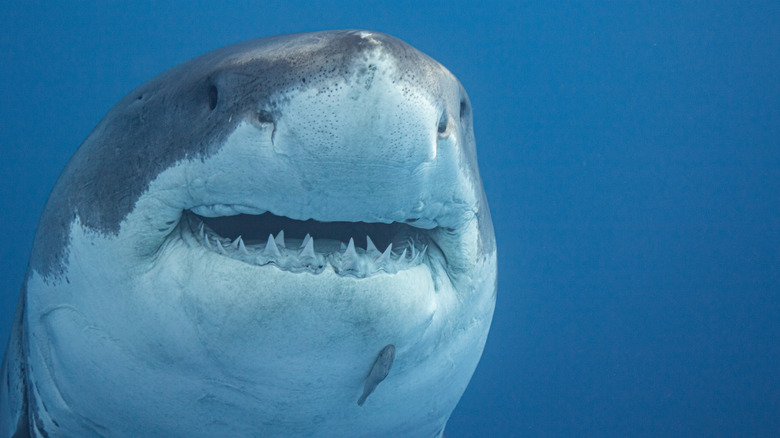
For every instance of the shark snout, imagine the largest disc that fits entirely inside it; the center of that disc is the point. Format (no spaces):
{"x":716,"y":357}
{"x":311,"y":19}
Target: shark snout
{"x":366,"y":130}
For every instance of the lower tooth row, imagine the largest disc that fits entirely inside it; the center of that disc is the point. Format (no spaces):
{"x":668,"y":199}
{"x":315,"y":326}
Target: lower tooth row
{"x":349,"y":262}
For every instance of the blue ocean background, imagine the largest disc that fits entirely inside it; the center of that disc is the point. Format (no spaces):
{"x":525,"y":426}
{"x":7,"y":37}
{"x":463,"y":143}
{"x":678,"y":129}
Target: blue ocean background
{"x":631,"y":156}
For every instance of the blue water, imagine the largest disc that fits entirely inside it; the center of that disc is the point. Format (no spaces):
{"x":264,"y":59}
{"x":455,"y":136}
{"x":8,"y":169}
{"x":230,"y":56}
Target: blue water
{"x":631,"y":156}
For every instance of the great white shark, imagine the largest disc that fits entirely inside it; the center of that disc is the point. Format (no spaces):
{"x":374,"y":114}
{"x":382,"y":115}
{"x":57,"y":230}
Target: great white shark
{"x":283,"y":237}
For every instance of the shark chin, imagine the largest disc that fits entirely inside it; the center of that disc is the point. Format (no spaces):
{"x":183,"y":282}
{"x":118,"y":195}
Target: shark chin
{"x":284,"y":237}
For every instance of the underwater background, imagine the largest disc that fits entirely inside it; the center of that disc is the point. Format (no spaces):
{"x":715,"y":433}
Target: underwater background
{"x":631,"y":156}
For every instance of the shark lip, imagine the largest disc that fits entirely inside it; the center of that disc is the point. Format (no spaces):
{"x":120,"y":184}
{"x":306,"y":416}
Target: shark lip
{"x":355,"y":249}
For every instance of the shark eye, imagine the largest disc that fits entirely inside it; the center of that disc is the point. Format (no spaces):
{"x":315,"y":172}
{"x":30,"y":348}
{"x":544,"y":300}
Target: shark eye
{"x":462,"y":108}
{"x":442,"y":128}
{"x":213,"y":97}
{"x":264,"y":116}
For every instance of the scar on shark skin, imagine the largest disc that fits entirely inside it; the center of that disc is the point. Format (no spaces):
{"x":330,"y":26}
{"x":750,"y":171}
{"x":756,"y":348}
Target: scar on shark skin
{"x":379,"y":371}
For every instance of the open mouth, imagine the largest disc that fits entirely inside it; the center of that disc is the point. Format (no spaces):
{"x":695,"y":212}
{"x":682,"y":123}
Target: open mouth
{"x":357,"y":249}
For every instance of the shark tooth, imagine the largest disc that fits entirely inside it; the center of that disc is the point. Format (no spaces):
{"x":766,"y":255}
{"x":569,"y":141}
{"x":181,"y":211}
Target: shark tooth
{"x":202,"y":230}
{"x":206,"y":239}
{"x":402,"y":256}
{"x":350,"y":257}
{"x":385,"y":257}
{"x":220,"y":248}
{"x":271,"y":250}
{"x":308,"y":251}
{"x":235,"y":242}
{"x":305,"y":240}
{"x":370,"y":247}
{"x":280,"y":239}
{"x":241,"y":246}
{"x":419,"y":254}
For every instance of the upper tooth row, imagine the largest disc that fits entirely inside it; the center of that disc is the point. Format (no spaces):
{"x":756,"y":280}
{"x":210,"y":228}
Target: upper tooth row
{"x":305,"y":258}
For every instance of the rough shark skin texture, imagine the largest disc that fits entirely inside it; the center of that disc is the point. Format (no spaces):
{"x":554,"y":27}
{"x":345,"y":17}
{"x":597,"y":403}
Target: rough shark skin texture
{"x":227,"y":251}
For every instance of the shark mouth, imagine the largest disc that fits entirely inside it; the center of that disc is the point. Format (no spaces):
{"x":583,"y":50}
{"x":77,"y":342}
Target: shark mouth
{"x":356,"y":249}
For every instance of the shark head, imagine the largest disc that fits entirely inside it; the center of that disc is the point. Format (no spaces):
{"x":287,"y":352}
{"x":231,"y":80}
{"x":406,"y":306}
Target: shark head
{"x":237,"y":240}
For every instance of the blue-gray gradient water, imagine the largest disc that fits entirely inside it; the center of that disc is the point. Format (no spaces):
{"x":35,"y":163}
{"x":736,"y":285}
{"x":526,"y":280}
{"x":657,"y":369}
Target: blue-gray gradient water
{"x":631,"y":157}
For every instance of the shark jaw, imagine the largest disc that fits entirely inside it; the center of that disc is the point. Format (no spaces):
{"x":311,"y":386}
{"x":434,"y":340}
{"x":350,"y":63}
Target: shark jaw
{"x":271,"y":222}
{"x":312,"y":246}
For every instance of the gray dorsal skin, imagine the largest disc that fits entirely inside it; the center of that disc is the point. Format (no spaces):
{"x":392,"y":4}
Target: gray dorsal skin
{"x":379,"y":372}
{"x":233,"y":237}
